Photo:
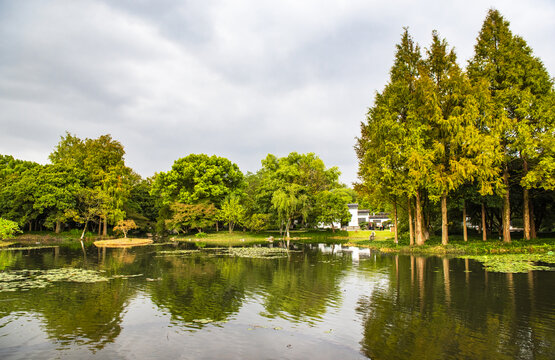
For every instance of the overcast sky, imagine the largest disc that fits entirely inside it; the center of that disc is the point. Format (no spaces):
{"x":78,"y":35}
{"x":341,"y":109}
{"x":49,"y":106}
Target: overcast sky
{"x":239,"y":79}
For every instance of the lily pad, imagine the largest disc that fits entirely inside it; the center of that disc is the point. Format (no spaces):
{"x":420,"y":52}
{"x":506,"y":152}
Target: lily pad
{"x":515,"y":263}
{"x":258,"y":252}
{"x":36,"y":279}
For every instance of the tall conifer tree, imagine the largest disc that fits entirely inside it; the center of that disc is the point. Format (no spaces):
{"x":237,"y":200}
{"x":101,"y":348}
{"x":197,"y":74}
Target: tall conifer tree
{"x":520,"y":90}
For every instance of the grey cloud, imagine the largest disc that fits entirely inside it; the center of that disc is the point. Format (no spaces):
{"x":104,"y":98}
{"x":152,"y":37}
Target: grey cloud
{"x":239,"y":79}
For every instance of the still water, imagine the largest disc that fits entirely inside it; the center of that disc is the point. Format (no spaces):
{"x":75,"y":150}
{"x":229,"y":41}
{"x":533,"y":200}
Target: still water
{"x":320,"y":302}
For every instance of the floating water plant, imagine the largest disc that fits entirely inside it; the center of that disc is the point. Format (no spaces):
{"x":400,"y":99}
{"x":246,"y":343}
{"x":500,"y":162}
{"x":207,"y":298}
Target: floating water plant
{"x":125,"y":276}
{"x":27,"y":248}
{"x":178,"y":252}
{"x":514,"y":263}
{"x":258,"y":252}
{"x":36,"y":279}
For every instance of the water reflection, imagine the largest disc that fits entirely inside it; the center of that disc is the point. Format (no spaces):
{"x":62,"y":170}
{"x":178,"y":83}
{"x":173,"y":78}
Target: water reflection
{"x":421,"y":315}
{"x":88,"y":314}
{"x":353,"y":300}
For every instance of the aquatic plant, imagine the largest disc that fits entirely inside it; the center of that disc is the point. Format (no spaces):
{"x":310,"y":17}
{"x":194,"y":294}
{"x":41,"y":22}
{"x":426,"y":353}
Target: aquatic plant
{"x":27,"y":248}
{"x":515,"y":263}
{"x":34,"y":279}
{"x":258,"y":252}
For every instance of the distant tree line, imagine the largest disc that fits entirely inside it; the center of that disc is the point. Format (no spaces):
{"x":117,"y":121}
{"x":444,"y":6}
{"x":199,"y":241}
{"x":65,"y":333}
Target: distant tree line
{"x":478,"y":142}
{"x":88,"y":186}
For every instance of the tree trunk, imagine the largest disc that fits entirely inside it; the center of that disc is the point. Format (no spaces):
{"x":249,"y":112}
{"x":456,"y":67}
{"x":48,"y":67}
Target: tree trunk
{"x":105,"y":223}
{"x":418,"y":230}
{"x":444,"y":224}
{"x":465,"y":231}
{"x":30,"y":226}
{"x":526,"y":213}
{"x":230,"y":227}
{"x":484,"y":227}
{"x":411,"y":229}
{"x":395,"y":215}
{"x":533,"y":234}
{"x":217,"y":227}
{"x":287,"y":225}
{"x":99,"y":225}
{"x":84,"y":231}
{"x":506,"y":208}
{"x":426,"y":219}
{"x":58,"y":226}
{"x":425,"y":227}
{"x":526,"y":201}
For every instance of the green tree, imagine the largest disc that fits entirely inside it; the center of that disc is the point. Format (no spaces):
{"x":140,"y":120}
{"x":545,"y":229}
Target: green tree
{"x":8,"y":229}
{"x":191,"y":216}
{"x":521,"y":94}
{"x":197,"y":178}
{"x":257,"y":222}
{"x":56,"y":194}
{"x":390,"y":150}
{"x":456,"y":145}
{"x":287,"y":187}
{"x":332,"y":206}
{"x":140,"y":205}
{"x":103,"y":163}
{"x":91,"y":204}
{"x":232,"y":212}
{"x":17,"y":188}
{"x":290,"y":203}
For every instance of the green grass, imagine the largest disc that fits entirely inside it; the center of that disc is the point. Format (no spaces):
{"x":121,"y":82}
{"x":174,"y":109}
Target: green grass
{"x":363,"y":235}
{"x":456,"y":246}
{"x":240,"y":238}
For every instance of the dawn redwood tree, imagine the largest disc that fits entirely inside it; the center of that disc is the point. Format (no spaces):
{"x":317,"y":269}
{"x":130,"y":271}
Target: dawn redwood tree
{"x":390,"y":136}
{"x":521,"y":100}
{"x":456,"y":146}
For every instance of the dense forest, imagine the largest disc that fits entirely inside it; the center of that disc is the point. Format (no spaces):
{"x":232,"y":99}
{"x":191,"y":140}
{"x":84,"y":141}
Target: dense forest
{"x":442,"y":143}
{"x":87,"y":185}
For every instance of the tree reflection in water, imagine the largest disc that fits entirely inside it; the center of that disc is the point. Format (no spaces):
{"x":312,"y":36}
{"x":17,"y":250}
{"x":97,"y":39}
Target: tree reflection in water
{"x":491,"y":317}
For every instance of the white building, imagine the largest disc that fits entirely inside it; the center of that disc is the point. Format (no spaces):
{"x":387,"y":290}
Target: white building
{"x":358,"y":216}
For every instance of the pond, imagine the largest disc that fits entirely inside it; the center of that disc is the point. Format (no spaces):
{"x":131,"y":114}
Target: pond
{"x":317,"y":301}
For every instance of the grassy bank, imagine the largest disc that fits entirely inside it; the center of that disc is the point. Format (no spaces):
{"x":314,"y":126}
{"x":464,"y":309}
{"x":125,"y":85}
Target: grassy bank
{"x":241,"y":238}
{"x":456,"y":246}
{"x":383,"y":241}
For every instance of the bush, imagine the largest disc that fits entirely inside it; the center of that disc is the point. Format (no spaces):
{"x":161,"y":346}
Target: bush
{"x":201,"y":235}
{"x":8,"y":229}
{"x":363,"y":225}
